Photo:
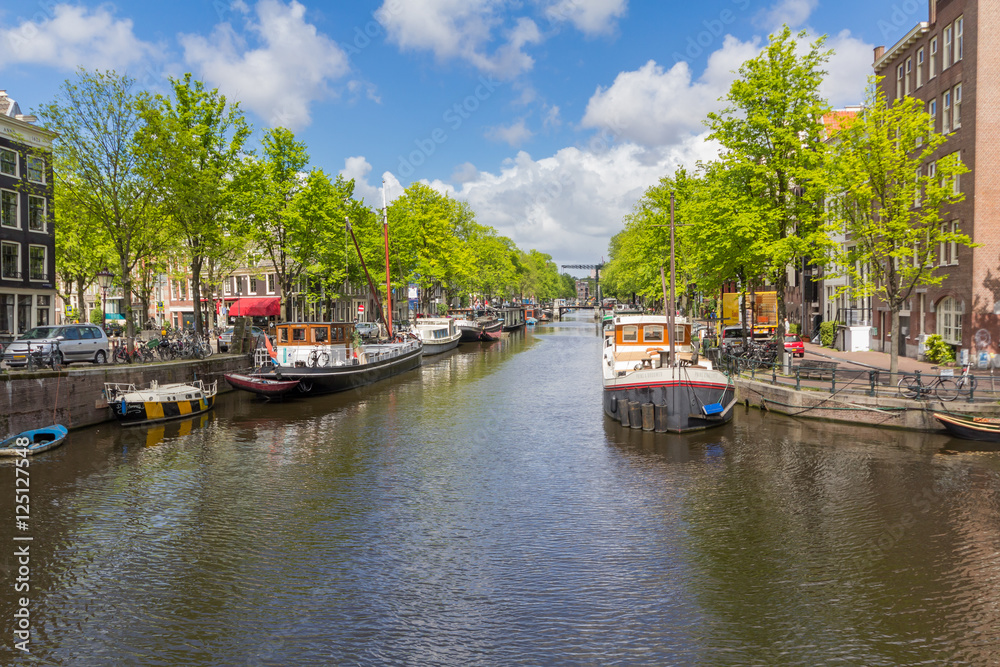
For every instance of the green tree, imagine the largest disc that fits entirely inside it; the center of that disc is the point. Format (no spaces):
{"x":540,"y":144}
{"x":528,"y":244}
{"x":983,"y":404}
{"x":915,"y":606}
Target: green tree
{"x":96,"y":168}
{"x":189,"y":145}
{"x":772,"y":131}
{"x":888,"y":195}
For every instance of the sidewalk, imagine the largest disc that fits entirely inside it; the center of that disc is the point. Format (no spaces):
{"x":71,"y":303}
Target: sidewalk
{"x":879,"y":361}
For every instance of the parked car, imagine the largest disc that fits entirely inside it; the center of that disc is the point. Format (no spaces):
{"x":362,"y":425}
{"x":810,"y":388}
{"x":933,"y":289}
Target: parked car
{"x":76,"y":342}
{"x":367,"y":329}
{"x":226,"y":337}
{"x":793,"y":345}
{"x":732,"y":338}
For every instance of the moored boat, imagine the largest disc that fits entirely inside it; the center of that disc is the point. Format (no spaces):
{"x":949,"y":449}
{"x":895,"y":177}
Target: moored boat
{"x":513,"y":317}
{"x":326,"y":357}
{"x":439,"y":334}
{"x":971,"y":428}
{"x":262,"y":386}
{"x":687,"y":395}
{"x":158,"y":402}
{"x":35,"y":441}
{"x":492,"y":328}
{"x":467,"y":324}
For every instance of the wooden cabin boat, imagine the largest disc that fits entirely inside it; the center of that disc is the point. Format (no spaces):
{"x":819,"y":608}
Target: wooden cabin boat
{"x":158,"y":402}
{"x":325,"y":357}
{"x":35,"y":441}
{"x":439,"y":334}
{"x":689,"y":395}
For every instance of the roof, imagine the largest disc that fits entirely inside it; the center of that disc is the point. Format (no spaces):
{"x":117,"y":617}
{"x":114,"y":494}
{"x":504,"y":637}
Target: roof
{"x":907,"y":40}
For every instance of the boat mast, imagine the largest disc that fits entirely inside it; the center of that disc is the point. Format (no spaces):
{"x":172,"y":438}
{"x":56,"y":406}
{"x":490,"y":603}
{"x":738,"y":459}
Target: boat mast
{"x":371,"y":285}
{"x":673,"y":299}
{"x":388,"y":284}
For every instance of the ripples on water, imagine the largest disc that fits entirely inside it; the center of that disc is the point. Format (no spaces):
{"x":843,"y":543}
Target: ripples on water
{"x":482,"y":510}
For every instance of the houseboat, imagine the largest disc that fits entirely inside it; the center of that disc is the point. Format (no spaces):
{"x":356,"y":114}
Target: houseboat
{"x":687,"y":395}
{"x":513,"y":317}
{"x":157,"y":402}
{"x":438,"y":334}
{"x":326,"y":357}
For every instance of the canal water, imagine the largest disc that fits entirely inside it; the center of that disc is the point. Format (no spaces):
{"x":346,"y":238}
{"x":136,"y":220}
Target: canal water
{"x":482,"y":510}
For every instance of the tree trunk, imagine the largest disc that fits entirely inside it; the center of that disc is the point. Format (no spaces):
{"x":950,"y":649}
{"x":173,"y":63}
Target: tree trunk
{"x":80,"y":300}
{"x":894,"y":344}
{"x":199,"y":325}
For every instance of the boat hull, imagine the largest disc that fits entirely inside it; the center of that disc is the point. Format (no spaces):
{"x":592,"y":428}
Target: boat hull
{"x":269,"y":388}
{"x":438,"y":348}
{"x":326,"y":380}
{"x":470,"y":333}
{"x":136,"y":413}
{"x":492,"y":332}
{"x":684,"y":392}
{"x":969,"y":429}
{"x":39,"y":440}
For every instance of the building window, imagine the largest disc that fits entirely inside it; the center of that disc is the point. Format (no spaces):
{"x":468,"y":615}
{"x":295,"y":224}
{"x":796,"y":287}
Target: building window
{"x":959,"y":38}
{"x":956,"y":117}
{"x":8,"y":209}
{"x":36,"y":213}
{"x":8,"y":162}
{"x":899,"y":82}
{"x":36,"y":170}
{"x":948,"y":251}
{"x":10,"y":260}
{"x":946,"y":112}
{"x":42,"y":314}
{"x":931,"y":171}
{"x":253,"y":285}
{"x":956,"y":186}
{"x":270,"y":283}
{"x":227,"y":286}
{"x":931,"y":64}
{"x":23,"y":313}
{"x":949,"y":321}
{"x":946,"y":51}
{"x":920,"y":67}
{"x":916,"y":190}
{"x":906,"y":81}
{"x":36,"y":262}
{"x":932,"y":110}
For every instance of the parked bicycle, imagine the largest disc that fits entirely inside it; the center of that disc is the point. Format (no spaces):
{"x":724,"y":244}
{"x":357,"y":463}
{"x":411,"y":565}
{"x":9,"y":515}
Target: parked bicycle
{"x":39,"y":358}
{"x":942,"y":387}
{"x":966,"y":382}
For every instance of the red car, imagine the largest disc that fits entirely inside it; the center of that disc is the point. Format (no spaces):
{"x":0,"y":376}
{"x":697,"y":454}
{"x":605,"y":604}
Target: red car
{"x":794,"y":345}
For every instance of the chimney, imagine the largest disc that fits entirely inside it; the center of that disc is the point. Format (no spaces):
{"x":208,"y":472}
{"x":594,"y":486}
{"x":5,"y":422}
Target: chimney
{"x":880,"y":50}
{"x":932,"y":11}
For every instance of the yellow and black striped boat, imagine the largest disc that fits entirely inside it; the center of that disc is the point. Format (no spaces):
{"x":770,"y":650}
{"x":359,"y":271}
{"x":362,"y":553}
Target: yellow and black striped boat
{"x":157,"y":402}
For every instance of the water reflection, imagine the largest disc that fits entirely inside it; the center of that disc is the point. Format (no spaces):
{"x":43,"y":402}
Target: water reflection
{"x":482,"y":509}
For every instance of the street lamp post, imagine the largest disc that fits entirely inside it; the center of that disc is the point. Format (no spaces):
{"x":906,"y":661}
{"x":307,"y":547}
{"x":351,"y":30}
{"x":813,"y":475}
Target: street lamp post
{"x":104,"y":278}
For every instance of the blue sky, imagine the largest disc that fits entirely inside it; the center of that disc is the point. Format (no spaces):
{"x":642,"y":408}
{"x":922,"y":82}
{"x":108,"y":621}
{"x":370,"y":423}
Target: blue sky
{"x":551,"y":117}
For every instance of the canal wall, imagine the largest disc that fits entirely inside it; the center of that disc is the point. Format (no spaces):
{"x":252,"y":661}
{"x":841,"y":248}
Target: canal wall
{"x":74,"y":396}
{"x":884,"y":411}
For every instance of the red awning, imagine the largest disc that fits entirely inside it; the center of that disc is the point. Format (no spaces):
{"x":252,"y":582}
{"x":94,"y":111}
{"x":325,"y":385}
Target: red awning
{"x":264,"y":306}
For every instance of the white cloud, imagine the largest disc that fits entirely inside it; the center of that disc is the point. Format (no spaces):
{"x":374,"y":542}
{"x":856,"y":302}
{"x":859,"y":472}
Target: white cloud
{"x":793,"y":12}
{"x":849,"y":68}
{"x":71,"y":37}
{"x":657,"y":107}
{"x":570,"y":204}
{"x":291,"y":68}
{"x":591,"y":17}
{"x":460,"y":30}
{"x":358,"y":168}
{"x":513,"y":135}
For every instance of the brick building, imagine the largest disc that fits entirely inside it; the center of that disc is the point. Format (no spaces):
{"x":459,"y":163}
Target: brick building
{"x":27,"y":238}
{"x":951,"y":62}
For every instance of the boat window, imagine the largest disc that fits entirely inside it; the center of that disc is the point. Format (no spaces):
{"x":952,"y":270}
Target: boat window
{"x":679,"y":334}
{"x":283,"y":334}
{"x":338,"y":334}
{"x":299,"y":334}
{"x":320,"y":334}
{"x":630,"y":334}
{"x":652,"y":333}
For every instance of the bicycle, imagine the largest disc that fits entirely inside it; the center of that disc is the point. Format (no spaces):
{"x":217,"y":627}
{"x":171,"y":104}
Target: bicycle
{"x":943,"y":388}
{"x":38,"y":360}
{"x":966,"y":382}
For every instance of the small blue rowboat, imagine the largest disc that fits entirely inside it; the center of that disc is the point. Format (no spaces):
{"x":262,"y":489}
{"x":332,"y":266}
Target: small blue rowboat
{"x":34,"y":442}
